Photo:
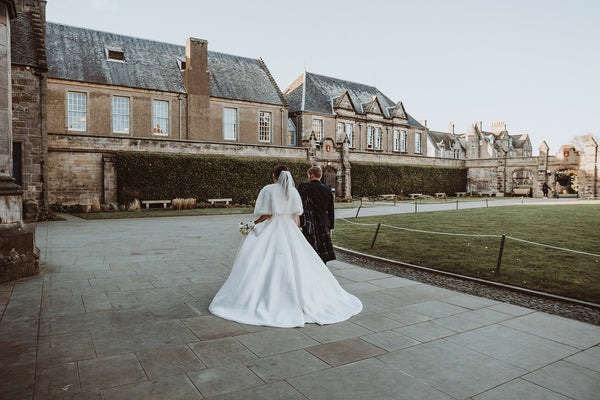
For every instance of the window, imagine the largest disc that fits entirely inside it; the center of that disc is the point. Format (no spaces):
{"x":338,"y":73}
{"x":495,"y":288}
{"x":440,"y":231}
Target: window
{"x":418,"y":142}
{"x":77,"y":109}
{"x":396,"y":140}
{"x":120,"y":114}
{"x":264,"y":126}
{"x":403,"y":141}
{"x":370,"y":137}
{"x":160,"y":117}
{"x":229,"y":123}
{"x":350,"y":134}
{"x":116,"y":55}
{"x":317,"y":127}
{"x":340,"y":129}
{"x":17,"y":159}
{"x":377,"y":138}
{"x":456,"y":153}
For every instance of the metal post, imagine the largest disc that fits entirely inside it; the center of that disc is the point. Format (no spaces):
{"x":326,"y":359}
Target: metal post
{"x":394,"y":199}
{"x":415,"y":206}
{"x":375,"y":237}
{"x":457,"y":204}
{"x":357,"y":211}
{"x":486,"y":203}
{"x":500,"y":254}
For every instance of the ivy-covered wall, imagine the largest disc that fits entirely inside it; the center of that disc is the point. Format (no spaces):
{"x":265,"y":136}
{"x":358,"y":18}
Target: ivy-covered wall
{"x":153,"y":176}
{"x":376,"y":179}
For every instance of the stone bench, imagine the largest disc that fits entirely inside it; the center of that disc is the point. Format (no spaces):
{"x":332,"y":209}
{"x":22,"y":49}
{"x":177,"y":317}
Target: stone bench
{"x":440,"y":195}
{"x":413,"y":196}
{"x":163,"y":202}
{"x":213,"y":201}
{"x":484,"y":194}
{"x":460,"y":194}
{"x":387,"y":196}
{"x":520,"y":192}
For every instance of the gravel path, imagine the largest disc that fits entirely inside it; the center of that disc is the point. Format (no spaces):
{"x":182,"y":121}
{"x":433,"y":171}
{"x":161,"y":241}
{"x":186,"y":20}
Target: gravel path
{"x":564,"y":309}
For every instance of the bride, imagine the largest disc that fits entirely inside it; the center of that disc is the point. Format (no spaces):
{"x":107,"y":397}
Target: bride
{"x":277,"y":278}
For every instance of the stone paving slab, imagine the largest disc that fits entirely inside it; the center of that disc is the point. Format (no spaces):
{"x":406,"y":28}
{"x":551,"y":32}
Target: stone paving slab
{"x":120,"y":311}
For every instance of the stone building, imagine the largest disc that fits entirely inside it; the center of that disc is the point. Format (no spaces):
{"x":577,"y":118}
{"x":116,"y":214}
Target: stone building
{"x":344,"y":121}
{"x":109,"y":93}
{"x":446,"y":144}
{"x":22,"y":132}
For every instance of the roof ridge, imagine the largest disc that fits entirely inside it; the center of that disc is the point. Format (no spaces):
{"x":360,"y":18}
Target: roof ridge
{"x":112,"y":33}
{"x":281,"y":96}
{"x":343,"y":80}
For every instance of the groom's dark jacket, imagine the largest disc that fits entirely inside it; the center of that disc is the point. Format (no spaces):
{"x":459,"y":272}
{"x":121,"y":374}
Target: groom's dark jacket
{"x":318,"y":218}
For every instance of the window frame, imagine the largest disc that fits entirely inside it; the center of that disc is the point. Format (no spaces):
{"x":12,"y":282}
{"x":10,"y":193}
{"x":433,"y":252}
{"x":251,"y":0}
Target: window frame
{"x":403,"y":137}
{"x":396,"y":140}
{"x":154,"y":117}
{"x":350,"y":134}
{"x":270,"y":126}
{"x":378,"y":144}
{"x":418,"y":144}
{"x":112,"y":103}
{"x":69,"y":111}
{"x":235,"y":124}
{"x":370,"y":137}
{"x":321,"y":132}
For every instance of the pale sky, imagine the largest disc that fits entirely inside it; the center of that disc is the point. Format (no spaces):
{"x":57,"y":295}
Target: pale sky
{"x":534,"y":64}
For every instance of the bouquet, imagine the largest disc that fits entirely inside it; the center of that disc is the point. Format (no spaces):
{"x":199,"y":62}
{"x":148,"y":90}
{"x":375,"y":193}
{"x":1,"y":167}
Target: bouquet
{"x":246,"y":227}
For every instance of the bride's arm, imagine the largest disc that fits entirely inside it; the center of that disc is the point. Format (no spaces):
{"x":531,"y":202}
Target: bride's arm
{"x":262,"y":218}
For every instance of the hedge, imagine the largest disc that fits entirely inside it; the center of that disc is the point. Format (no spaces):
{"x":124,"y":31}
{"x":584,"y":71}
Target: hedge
{"x":150,"y":176}
{"x":376,"y":179}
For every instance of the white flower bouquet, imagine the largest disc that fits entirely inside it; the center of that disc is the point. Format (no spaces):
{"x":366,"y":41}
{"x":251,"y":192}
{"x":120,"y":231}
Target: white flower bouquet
{"x":246,"y":227}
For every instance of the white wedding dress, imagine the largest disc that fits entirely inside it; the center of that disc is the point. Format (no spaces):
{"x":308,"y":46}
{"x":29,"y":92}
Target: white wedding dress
{"x":277,"y":278}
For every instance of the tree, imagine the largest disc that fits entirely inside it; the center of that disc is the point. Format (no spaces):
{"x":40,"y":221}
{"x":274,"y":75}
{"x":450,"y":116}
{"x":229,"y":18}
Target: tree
{"x":580,"y":141}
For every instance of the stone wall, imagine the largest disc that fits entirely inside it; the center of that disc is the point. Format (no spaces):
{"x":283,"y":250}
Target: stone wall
{"x":82,"y":167}
{"x":75,"y":177}
{"x":28,"y":92}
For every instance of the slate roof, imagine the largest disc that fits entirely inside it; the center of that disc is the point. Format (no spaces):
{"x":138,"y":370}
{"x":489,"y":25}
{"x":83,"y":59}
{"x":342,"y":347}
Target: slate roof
{"x":518,"y":141}
{"x":79,"y":54}
{"x":24,"y":41}
{"x":446,"y":138}
{"x":321,"y":90}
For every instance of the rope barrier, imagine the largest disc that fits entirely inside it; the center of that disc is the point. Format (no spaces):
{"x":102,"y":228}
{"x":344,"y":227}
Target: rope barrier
{"x":475,"y":235}
{"x":553,"y":247}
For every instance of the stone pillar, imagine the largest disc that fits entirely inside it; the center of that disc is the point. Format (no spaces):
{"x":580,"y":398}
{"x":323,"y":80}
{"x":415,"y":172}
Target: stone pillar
{"x":588,"y":170}
{"x":345,"y":170}
{"x":110,"y":178}
{"x":18,"y":255}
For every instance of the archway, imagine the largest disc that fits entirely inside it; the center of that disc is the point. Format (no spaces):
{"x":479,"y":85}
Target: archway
{"x":522,"y":179}
{"x":568,"y":179}
{"x":329,"y":176}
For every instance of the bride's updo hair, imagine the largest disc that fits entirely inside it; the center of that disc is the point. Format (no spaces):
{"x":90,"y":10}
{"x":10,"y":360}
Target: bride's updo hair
{"x":277,"y":170}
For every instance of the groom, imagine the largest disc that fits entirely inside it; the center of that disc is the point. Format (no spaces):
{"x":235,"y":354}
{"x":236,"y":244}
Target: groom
{"x":318,"y":217}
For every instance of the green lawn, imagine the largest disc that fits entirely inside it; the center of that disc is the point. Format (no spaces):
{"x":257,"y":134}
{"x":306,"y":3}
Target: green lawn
{"x":535,"y":267}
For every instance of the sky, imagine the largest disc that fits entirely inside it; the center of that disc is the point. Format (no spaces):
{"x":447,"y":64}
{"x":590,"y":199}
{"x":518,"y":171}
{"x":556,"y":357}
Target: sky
{"x":534,"y":64}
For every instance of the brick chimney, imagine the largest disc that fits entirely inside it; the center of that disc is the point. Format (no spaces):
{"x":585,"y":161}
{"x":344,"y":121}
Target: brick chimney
{"x":451,"y":128}
{"x":196,"y":79}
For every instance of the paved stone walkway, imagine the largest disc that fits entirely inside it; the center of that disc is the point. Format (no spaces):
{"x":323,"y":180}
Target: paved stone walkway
{"x":120,"y":312}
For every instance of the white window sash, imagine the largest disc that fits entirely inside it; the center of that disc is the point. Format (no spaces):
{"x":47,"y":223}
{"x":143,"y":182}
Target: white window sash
{"x":403,"y":141}
{"x":229,"y":123}
{"x":378,"y":138}
{"x":77,"y":111}
{"x":317,"y":127}
{"x":160,"y":118}
{"x":350,"y":134}
{"x":264,"y":127}
{"x":417,"y":142}
{"x":370,"y":134}
{"x":396,"y":141}
{"x":120,"y":109}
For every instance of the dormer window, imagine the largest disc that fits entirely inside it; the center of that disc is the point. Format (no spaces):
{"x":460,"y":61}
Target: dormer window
{"x":115,"y":54}
{"x":182,"y":64}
